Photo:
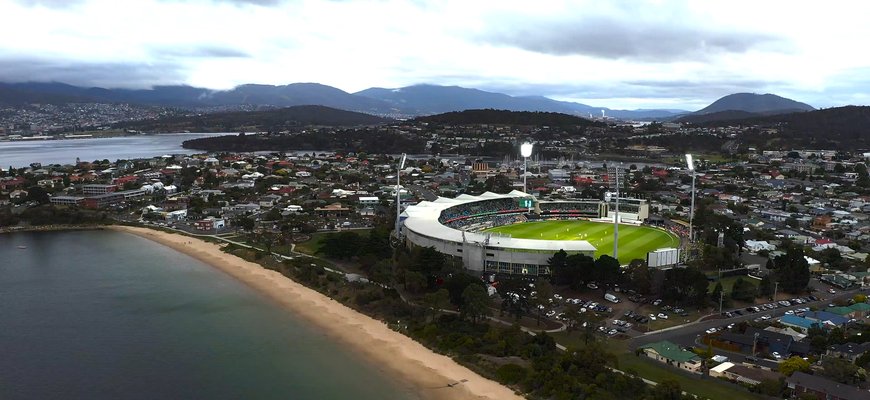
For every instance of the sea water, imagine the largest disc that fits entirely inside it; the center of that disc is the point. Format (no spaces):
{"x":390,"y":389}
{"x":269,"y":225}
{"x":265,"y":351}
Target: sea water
{"x":109,"y":315}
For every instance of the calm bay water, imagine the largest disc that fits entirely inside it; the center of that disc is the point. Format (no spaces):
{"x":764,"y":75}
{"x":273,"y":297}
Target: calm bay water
{"x":106,"y":315}
{"x":22,"y":153}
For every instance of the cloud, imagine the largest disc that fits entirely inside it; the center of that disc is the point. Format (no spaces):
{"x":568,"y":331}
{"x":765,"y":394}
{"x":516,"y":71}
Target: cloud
{"x":624,"y":38}
{"x":109,"y":75}
{"x":48,"y":3}
{"x":204,"y":51}
{"x":264,"y":3}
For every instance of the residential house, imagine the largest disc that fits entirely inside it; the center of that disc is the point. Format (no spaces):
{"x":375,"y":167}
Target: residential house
{"x":824,"y":388}
{"x":671,"y":354}
{"x":751,"y":375}
{"x":849,"y":351}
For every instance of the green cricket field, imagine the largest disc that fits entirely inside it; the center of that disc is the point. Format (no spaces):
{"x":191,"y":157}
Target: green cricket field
{"x":634,"y":241}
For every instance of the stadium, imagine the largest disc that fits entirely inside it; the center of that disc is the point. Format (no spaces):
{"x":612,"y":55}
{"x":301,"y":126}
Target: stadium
{"x":515,"y":233}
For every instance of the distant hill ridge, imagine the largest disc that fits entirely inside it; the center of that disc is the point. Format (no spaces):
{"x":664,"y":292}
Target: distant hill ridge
{"x":408,"y":101}
{"x":505,"y":117}
{"x":270,"y":120}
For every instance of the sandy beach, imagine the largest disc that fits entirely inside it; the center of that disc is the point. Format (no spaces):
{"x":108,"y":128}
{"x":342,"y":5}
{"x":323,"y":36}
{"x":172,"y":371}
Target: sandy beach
{"x":395,"y":353}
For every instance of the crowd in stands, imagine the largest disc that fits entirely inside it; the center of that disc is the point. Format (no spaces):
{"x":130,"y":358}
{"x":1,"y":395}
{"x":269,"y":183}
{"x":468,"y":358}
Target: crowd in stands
{"x":480,"y":208}
{"x":483,"y":214}
{"x":572,"y":209}
{"x":682,"y":231}
{"x":482,"y":223}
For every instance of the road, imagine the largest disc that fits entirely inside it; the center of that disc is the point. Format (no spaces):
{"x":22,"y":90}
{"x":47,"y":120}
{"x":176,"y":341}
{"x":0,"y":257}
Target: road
{"x":687,"y":335}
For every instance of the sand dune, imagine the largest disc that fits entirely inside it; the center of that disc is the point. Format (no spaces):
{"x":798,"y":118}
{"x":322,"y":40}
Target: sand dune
{"x":395,"y":353}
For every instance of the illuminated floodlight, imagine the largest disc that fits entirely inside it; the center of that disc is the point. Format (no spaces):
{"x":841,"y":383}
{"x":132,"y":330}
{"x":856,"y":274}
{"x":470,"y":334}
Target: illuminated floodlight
{"x":526,"y":149}
{"x":690,"y":162}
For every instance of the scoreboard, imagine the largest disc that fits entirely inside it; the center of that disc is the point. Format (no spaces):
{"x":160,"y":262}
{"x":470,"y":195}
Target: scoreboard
{"x":527,"y":202}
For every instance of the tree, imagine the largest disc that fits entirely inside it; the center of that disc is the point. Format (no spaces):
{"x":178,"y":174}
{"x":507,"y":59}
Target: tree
{"x":717,"y":292}
{"x":572,"y":270}
{"x":792,"y":270}
{"x":743,"y":290}
{"x":863,"y":360}
{"x":475,"y":302}
{"x":685,"y":285}
{"x":498,"y":184}
{"x":606,"y":269}
{"x":542,"y":298}
{"x":765,"y":287}
{"x":558,"y":263}
{"x":437,"y":300}
{"x":640,"y":276}
{"x":341,"y":245}
{"x":37,"y":194}
{"x":841,"y":370}
{"x":244,"y":222}
{"x":792,"y":365}
{"x":831,"y":258}
{"x":668,"y":389}
{"x":456,"y":285}
{"x":772,"y":387}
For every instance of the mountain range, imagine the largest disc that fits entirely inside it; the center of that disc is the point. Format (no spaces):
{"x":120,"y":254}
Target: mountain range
{"x":407,"y":101}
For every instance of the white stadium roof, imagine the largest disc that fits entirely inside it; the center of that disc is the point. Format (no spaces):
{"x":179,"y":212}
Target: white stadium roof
{"x":423,"y":219}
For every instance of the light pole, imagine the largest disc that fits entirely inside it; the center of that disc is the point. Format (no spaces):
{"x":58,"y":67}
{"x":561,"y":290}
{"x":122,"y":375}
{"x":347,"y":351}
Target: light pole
{"x":525,"y":151}
{"x":691,"y":165}
{"x":398,"y":192}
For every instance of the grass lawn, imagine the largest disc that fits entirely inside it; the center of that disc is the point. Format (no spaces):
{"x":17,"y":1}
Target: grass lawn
{"x":728,"y":283}
{"x":646,"y":368}
{"x":312,"y":245}
{"x":634,"y":241}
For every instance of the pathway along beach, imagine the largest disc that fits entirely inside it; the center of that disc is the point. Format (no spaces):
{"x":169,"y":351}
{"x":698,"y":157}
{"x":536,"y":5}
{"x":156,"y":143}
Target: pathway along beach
{"x":435,"y":375}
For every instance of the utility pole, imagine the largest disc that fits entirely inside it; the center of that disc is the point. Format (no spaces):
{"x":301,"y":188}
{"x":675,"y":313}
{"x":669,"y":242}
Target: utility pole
{"x":721,"y":297}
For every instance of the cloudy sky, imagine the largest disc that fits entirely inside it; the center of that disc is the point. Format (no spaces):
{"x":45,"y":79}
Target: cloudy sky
{"x":618,"y":54}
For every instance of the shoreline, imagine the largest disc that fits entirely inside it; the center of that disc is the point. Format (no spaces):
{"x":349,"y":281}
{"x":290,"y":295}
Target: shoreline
{"x":428,"y":372}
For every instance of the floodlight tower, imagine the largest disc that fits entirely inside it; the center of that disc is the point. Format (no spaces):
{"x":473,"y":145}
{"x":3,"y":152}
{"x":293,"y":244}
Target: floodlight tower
{"x":398,"y":191}
{"x":525,"y":151}
{"x":691,"y":165}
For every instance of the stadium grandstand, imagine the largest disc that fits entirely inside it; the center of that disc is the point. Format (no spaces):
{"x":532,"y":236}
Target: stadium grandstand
{"x":455,"y":227}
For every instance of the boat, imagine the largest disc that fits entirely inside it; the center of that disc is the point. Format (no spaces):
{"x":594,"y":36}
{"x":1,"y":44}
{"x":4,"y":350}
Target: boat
{"x":22,"y":247}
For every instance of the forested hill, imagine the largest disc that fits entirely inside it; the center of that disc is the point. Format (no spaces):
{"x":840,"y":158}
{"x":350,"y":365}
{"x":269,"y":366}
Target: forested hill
{"x":840,"y":127}
{"x":369,"y":140}
{"x":270,"y":120}
{"x":504,"y":117}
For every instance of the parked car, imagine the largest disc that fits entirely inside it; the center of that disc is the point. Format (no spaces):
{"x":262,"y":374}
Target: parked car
{"x":776,"y":356}
{"x":663,"y":316}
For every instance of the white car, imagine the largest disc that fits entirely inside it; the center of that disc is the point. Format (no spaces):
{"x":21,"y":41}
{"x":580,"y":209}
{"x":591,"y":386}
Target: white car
{"x":652,"y":317}
{"x":663,"y":316}
{"x":711,"y":330}
{"x":776,"y":356}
